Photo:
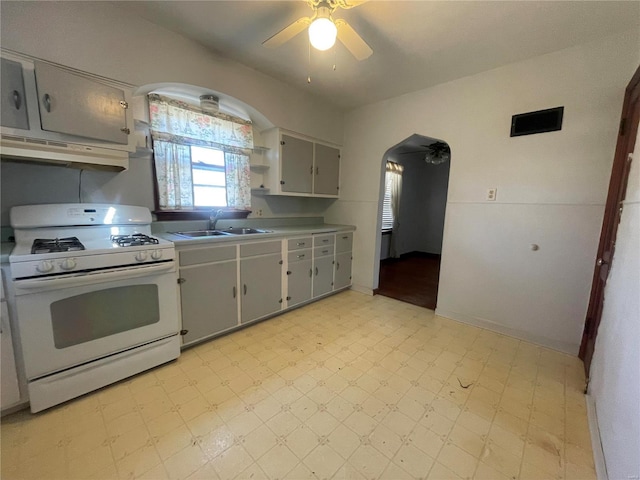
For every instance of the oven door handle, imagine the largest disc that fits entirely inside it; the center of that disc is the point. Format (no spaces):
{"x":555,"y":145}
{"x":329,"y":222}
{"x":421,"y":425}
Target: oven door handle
{"x":95,"y":277}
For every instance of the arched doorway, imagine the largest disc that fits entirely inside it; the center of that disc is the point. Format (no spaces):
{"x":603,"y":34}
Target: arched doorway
{"x":412,"y":209}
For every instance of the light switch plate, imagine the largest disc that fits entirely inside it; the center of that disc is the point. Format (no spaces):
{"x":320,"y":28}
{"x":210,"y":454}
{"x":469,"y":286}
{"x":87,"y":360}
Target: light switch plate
{"x":491,"y":194}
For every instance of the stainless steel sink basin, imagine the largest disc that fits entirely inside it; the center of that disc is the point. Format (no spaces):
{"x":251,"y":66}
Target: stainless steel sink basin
{"x":244,"y":231}
{"x":201,"y":233}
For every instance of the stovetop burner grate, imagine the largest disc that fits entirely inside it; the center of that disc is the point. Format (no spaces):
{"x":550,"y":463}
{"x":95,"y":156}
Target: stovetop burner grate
{"x":52,"y":245}
{"x":133,"y":240}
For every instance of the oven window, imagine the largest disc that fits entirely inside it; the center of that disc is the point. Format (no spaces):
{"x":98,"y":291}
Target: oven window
{"x":94,"y":315}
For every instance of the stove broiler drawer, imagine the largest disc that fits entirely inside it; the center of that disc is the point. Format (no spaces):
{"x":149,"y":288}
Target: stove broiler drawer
{"x":66,"y":322}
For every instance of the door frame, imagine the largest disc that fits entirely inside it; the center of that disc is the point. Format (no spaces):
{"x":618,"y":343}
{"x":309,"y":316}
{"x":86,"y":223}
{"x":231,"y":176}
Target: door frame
{"x":613,"y":210}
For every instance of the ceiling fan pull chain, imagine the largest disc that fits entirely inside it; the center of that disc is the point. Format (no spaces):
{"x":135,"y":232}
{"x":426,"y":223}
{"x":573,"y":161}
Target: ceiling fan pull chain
{"x":309,"y":66}
{"x":335,"y":55}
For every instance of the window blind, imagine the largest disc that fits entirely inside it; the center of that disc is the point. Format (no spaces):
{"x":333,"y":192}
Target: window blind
{"x":387,"y":213}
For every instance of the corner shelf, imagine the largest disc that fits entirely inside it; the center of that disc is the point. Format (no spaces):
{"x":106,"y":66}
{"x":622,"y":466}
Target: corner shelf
{"x":258,"y":167}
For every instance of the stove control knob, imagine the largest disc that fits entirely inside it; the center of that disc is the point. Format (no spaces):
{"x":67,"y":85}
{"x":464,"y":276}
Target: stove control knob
{"x":156,"y":254}
{"x":45,"y":266}
{"x":68,"y":264}
{"x":141,"y":256}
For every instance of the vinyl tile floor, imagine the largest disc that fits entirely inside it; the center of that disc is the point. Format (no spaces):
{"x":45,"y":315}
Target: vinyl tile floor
{"x":350,"y":387}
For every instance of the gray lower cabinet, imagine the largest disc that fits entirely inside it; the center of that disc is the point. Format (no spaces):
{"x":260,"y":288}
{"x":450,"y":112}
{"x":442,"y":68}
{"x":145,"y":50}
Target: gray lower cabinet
{"x":208,"y":299}
{"x":13,"y":102}
{"x":261,"y":286}
{"x":322,"y":275}
{"x":342,"y":271}
{"x":299,"y":278}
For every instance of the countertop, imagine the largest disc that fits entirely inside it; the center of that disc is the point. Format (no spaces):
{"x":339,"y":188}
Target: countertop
{"x":5,"y":250}
{"x":274,"y":232}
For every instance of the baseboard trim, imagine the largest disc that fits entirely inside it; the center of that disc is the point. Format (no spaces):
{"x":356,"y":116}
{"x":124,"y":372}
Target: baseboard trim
{"x":361,"y":289}
{"x":563,"y":347}
{"x":596,"y":443}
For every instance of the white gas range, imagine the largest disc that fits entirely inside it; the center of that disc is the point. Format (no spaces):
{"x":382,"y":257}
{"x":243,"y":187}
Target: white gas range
{"x":95,"y":297}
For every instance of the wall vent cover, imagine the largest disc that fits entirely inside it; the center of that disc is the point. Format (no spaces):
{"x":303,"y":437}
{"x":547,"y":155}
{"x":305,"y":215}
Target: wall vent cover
{"x":540,"y":121}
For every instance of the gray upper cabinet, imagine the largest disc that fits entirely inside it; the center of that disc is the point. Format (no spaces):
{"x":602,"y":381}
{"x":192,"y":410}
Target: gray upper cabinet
{"x":78,"y":105}
{"x":297,"y":165}
{"x":208,"y":296}
{"x":14,"y":101}
{"x":327,"y":170}
{"x":300,"y":166}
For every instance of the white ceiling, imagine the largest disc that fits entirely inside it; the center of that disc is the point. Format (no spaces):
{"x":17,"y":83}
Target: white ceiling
{"x":416,"y":44}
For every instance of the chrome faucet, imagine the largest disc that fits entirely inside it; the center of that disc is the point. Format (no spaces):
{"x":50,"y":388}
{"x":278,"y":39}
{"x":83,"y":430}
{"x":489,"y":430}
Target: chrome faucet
{"x":214,"y":216}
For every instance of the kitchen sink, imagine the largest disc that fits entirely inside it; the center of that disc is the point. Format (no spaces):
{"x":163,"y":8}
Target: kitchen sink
{"x":215,"y":233}
{"x":201,"y":233}
{"x":244,"y":231}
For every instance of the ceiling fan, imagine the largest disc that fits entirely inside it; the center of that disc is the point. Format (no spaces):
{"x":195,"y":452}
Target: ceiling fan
{"x":323,"y":29}
{"x":434,"y":153}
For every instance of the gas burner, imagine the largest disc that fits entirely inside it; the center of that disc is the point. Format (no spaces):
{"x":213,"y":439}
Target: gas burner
{"x":47,"y":245}
{"x":133,"y":240}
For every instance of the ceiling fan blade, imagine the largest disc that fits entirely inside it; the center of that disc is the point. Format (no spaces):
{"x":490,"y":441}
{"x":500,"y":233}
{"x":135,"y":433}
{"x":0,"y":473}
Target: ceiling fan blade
{"x":346,"y":4}
{"x":287,"y":33}
{"x":415,"y":151}
{"x":354,"y":42}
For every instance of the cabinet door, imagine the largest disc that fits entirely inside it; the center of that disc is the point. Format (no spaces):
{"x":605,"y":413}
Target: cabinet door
{"x":80,"y":106}
{"x":299,"y":278}
{"x":208,"y":295}
{"x":9,"y":391}
{"x":343,"y":271}
{"x":13,"y":102}
{"x":327,"y":170}
{"x":322,"y":275}
{"x":261,"y":286}
{"x":297,"y":165}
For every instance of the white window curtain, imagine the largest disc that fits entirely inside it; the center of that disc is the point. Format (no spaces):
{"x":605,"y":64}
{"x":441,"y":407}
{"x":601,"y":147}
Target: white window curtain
{"x":173,"y":171}
{"x":394,"y":172}
{"x":182,"y":125}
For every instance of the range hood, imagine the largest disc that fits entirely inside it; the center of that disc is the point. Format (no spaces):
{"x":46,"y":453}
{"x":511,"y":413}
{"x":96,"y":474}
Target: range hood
{"x":36,"y":150}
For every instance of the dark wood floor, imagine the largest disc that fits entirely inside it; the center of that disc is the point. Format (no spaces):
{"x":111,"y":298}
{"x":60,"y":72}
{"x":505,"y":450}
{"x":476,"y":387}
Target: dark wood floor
{"x":412,"y":278}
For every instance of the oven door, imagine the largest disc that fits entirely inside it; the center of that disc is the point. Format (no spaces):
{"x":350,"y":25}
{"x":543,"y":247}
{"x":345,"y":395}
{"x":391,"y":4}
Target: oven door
{"x":68,"y":321}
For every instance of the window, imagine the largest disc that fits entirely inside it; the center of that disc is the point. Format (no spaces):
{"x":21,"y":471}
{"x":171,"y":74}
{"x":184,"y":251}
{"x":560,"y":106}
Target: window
{"x":201,"y":160}
{"x":387,"y":212}
{"x":209,"y":183}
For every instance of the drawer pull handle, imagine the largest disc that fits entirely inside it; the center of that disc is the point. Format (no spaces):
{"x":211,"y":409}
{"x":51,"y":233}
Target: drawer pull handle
{"x":46,"y":99}
{"x":301,"y":244}
{"x":301,"y":256}
{"x":17,"y":99}
{"x":288,"y":272}
{"x":325,"y":251}
{"x":326,"y":240}
{"x":337,"y":265}
{"x":345,"y":237}
{"x":245,"y":288}
{"x":310,"y":273}
{"x":316,"y":271}
{"x":234,"y":291}
{"x":288,"y":298}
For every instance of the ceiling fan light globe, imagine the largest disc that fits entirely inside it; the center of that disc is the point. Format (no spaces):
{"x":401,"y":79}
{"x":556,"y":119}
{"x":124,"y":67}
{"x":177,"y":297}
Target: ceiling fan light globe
{"x":322,"y":33}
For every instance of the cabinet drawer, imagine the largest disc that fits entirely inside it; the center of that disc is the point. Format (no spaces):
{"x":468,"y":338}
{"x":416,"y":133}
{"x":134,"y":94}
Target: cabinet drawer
{"x":299,"y":255}
{"x":323,"y":251}
{"x":299,"y":243}
{"x":323,"y":240}
{"x":344,"y":242}
{"x":263,"y":248}
{"x":207,"y":255}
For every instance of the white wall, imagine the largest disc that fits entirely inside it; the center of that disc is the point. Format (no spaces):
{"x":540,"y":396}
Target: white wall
{"x":422,"y":206}
{"x":98,"y":38}
{"x":615,"y":370}
{"x":551,"y":187}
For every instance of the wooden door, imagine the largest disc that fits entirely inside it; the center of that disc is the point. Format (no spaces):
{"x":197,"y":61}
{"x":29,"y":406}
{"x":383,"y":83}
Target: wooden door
{"x":80,"y":106}
{"x":296,"y":165}
{"x":327,"y":170}
{"x":612,"y":213}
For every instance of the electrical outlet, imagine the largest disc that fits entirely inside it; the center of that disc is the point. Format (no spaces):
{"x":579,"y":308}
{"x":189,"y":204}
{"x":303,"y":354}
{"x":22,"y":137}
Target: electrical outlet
{"x":491,"y":194}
